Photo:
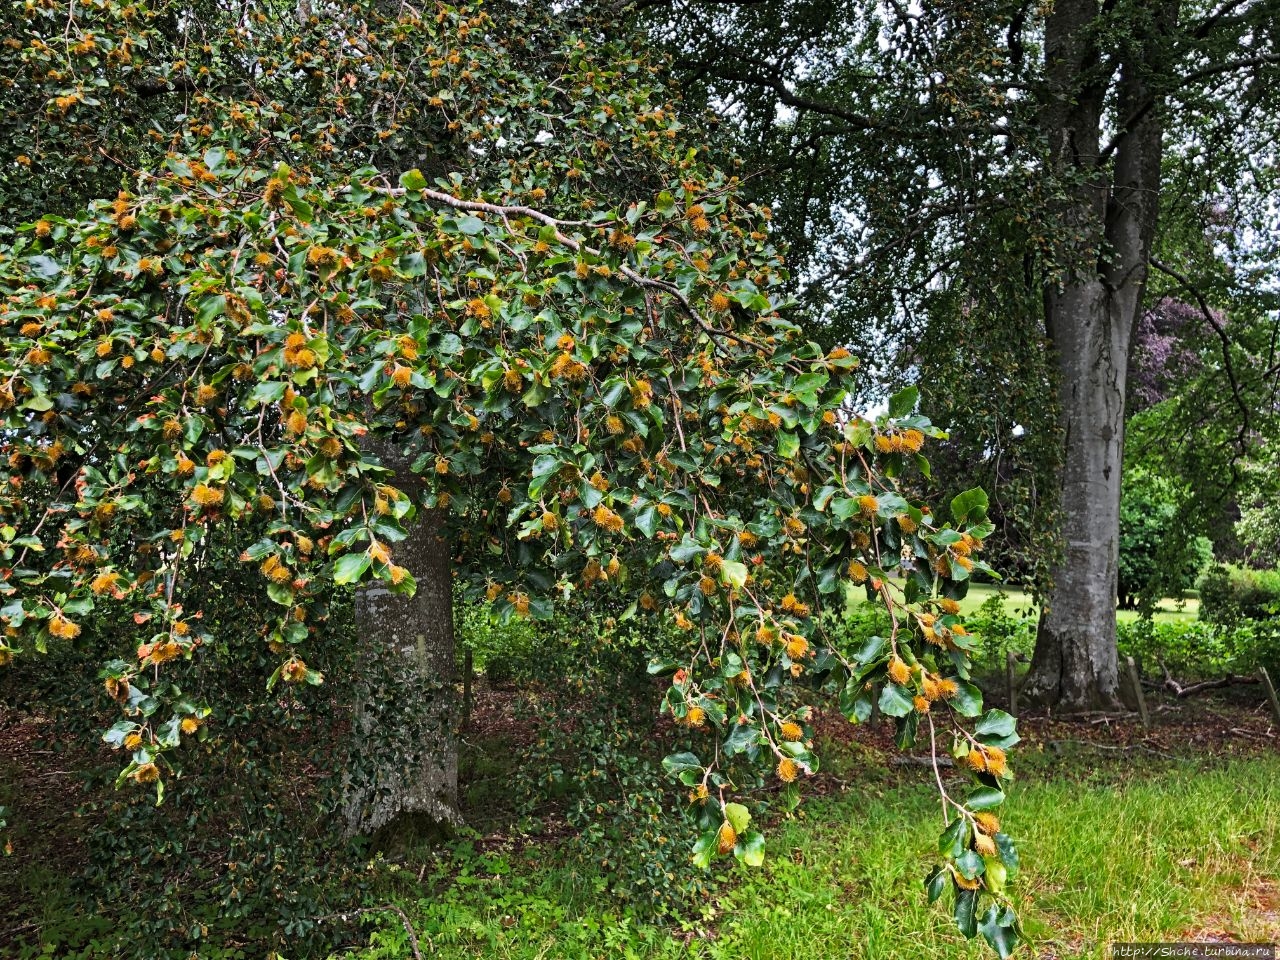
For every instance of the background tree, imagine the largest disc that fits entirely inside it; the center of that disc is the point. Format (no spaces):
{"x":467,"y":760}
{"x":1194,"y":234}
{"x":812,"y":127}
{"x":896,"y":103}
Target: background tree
{"x":1017,"y":155}
{"x":1158,"y":556}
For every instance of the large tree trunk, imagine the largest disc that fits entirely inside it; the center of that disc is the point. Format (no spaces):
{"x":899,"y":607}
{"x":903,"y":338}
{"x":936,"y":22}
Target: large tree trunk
{"x":1075,"y":666}
{"x":1090,"y":316}
{"x":403,"y":781}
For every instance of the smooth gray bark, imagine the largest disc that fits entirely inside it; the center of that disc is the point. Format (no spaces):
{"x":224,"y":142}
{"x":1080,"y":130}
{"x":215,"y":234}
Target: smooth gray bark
{"x":1090,"y":317}
{"x":405,"y":750}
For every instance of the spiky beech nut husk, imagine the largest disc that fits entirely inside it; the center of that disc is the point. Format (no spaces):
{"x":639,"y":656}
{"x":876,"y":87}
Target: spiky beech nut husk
{"x":726,"y":837}
{"x":963,"y":882}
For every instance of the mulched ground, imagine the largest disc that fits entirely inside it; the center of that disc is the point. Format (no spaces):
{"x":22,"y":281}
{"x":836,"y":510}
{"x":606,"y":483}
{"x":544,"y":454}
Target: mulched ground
{"x":1232,"y":720}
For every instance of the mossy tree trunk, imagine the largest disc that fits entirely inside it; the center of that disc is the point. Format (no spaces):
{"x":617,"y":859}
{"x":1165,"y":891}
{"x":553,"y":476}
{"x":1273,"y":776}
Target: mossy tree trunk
{"x":403,"y":780}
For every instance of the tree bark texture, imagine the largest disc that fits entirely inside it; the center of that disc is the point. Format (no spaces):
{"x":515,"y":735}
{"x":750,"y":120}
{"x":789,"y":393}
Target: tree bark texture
{"x":1090,"y":315}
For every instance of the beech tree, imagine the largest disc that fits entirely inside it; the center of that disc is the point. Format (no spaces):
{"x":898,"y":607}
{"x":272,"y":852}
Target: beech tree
{"x":995,"y":172}
{"x":397,"y":298}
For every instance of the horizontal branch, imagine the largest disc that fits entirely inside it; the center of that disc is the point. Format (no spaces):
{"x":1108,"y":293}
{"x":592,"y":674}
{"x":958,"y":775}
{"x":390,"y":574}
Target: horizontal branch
{"x":578,"y":246}
{"x":785,"y":95}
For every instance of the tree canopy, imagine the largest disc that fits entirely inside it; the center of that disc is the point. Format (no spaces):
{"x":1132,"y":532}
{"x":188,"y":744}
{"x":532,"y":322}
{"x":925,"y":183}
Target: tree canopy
{"x":353,"y":243}
{"x":1014,"y":177}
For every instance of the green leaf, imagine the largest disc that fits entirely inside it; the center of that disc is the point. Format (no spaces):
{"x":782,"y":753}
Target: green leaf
{"x":855,"y":701}
{"x":742,"y":737}
{"x":44,"y":267}
{"x":413,"y":179}
{"x":750,"y":849}
{"x":951,"y":842}
{"x":895,"y":701}
{"x":1000,"y":929}
{"x":471,"y":226}
{"x":987,"y":798}
{"x":731,"y":571}
{"x":39,"y":403}
{"x":970,"y":864}
{"x":996,"y":723}
{"x":1008,"y":853}
{"x":908,"y":727}
{"x":967,"y":699}
{"x":965,"y":910}
{"x":647,"y":521}
{"x":788,"y":444}
{"x":870,"y":651}
{"x":350,"y":568}
{"x":739,"y":816}
{"x":705,"y":848}
{"x":903,"y":402}
{"x":678,"y":762}
{"x":211,"y":307}
{"x":935,"y":883}
{"x":970,"y":506}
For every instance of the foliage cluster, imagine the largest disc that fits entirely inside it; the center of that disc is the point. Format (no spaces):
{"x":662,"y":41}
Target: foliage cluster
{"x":1199,"y":649}
{"x":1230,"y":594}
{"x":599,"y":752}
{"x":245,"y":855}
{"x":1160,"y":556}
{"x":1000,"y":630}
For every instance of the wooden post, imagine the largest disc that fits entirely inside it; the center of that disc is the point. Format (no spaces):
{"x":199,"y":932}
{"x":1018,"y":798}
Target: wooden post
{"x":1136,"y":682}
{"x":1011,"y":676}
{"x":1271,"y":691}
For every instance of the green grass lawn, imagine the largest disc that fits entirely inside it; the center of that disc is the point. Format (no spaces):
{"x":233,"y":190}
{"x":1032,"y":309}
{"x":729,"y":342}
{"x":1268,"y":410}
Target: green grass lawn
{"x":1127,"y":850}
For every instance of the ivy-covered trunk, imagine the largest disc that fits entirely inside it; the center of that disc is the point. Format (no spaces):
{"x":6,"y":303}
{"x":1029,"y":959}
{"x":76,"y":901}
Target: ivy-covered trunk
{"x":403,"y":778}
{"x":1112,"y":202}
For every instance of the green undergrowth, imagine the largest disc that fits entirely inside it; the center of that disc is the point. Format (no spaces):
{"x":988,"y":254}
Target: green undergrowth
{"x":1114,"y":849}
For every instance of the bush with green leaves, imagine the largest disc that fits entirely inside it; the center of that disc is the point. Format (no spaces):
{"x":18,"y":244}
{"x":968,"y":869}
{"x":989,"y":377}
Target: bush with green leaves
{"x":998,"y":631}
{"x":597,"y":762}
{"x":506,"y":650}
{"x":1230,"y":594}
{"x":1159,"y":555}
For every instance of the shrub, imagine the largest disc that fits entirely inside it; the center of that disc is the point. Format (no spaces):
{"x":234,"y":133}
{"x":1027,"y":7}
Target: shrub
{"x":1198,"y":649}
{"x":599,"y":752}
{"x":506,"y":652}
{"x":1158,"y":556}
{"x":1229,"y":594}
{"x":998,"y":632}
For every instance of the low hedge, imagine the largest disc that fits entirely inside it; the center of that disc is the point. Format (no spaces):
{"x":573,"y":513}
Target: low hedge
{"x":1230,"y":594}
